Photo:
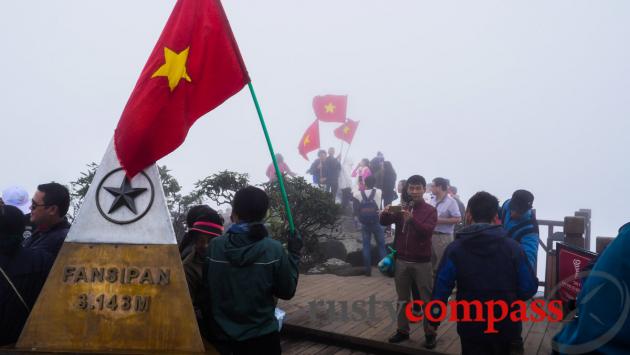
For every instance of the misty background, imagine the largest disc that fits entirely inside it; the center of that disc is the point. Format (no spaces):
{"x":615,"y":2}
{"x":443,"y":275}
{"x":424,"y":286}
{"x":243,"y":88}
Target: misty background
{"x":492,"y":95}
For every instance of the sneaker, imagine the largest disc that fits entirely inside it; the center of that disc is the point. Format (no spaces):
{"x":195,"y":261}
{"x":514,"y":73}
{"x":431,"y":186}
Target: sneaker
{"x":430,"y":341}
{"x":398,"y":337}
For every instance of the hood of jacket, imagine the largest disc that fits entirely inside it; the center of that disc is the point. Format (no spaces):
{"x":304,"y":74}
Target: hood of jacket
{"x":244,"y":243}
{"x":481,"y":238}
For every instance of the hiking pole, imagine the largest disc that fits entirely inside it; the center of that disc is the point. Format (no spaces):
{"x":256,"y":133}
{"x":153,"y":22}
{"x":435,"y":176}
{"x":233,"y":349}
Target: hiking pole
{"x":273,"y":158}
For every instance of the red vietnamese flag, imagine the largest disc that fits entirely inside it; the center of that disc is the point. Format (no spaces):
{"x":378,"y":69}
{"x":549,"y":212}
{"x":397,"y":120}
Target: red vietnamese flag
{"x":330,"y":108}
{"x":346,"y":131}
{"x":194,"y":67}
{"x":310,"y":140}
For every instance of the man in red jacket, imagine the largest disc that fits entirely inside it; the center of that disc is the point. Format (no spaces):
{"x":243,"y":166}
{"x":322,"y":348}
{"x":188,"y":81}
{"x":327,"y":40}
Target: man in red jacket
{"x":414,"y":228}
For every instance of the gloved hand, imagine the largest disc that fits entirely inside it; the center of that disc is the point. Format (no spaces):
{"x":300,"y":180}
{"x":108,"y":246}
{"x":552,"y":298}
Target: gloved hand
{"x":295,"y":243}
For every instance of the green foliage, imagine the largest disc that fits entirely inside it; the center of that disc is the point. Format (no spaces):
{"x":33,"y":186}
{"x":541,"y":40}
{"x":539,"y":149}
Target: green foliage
{"x":221,"y":187}
{"x":314,"y":211}
{"x":79,"y":188}
{"x":174,"y":199}
{"x":171,"y":188}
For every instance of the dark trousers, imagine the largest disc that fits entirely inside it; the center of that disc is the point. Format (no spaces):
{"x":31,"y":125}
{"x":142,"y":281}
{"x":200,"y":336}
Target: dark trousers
{"x":491,"y":347}
{"x":367,"y":231}
{"x":266,"y":344}
{"x":332,"y":188}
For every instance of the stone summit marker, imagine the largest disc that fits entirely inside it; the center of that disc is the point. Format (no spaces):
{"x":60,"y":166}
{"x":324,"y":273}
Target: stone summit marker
{"x":118,"y":283}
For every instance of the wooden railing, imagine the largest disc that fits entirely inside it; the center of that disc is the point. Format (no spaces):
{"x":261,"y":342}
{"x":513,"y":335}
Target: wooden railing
{"x":548,"y":245}
{"x":576,"y":231}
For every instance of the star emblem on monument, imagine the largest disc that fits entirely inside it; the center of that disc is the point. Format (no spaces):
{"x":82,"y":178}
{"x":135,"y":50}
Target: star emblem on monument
{"x":124,"y":195}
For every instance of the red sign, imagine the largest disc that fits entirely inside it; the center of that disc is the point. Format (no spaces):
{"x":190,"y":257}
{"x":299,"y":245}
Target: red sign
{"x":570,"y":262}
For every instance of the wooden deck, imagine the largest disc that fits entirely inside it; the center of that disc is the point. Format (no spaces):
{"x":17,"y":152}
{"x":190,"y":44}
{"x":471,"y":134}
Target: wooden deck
{"x":322,"y":332}
{"x":300,"y":345}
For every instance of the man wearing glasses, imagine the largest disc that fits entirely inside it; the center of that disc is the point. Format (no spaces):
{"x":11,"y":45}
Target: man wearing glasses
{"x":48,"y":213}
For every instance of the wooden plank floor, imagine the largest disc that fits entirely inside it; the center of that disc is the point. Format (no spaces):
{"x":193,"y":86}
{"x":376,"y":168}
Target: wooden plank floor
{"x":322,"y":313}
{"x":299,"y":345}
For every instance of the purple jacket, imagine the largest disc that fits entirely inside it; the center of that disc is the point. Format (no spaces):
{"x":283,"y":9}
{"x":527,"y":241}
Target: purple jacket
{"x":413,"y":239}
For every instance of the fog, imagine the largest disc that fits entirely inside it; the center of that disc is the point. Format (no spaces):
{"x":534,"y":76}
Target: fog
{"x":493,"y":95}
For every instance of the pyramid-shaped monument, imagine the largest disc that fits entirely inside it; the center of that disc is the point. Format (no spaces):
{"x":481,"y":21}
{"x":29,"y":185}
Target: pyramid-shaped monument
{"x":118,"y":284}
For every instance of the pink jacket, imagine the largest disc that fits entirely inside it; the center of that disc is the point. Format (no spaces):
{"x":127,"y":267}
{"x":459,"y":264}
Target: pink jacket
{"x":362,"y":172}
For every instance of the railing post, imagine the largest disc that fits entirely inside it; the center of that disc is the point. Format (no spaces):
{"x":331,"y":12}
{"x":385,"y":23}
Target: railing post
{"x":550,"y":270}
{"x":601,"y":243}
{"x":574,"y":228}
{"x":586,"y":213}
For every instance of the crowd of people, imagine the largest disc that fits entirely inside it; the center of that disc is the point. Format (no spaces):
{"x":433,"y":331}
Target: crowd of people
{"x":219,"y":264}
{"x":443,"y":249}
{"x":32,"y":231}
{"x":485,"y":251}
{"x":481,"y":261}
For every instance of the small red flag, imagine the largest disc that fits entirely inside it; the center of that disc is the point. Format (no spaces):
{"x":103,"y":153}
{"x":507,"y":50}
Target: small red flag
{"x":330,"y":108}
{"x":346,"y":131}
{"x":194,"y":67}
{"x":310,"y":140}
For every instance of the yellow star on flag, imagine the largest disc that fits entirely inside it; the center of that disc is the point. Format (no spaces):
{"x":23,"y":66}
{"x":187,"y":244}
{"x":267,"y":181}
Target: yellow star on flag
{"x":307,"y":140}
{"x":346,"y":129}
{"x":330,"y":108}
{"x":174,"y":68}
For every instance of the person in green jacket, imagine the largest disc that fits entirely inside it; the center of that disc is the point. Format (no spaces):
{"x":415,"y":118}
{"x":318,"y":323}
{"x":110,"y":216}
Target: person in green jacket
{"x":247,"y":272}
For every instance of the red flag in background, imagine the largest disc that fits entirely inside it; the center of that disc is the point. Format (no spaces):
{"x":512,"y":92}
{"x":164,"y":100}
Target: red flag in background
{"x":330,"y":108}
{"x":310,"y":140}
{"x":194,"y":67}
{"x":346,"y":131}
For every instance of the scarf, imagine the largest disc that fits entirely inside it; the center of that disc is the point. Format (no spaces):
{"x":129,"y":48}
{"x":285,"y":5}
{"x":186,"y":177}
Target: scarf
{"x":239,"y":228}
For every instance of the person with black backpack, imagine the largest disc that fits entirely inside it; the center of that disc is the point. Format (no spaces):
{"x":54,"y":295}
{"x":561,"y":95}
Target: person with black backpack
{"x":368,"y":214}
{"x":519,"y":220}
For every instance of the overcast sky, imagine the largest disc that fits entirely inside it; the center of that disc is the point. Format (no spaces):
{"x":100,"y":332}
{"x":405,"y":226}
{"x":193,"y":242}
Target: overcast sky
{"x":493,"y":95}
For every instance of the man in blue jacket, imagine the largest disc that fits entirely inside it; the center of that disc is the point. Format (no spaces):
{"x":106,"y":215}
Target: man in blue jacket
{"x":49,"y":206}
{"x":520,"y":223}
{"x":23,"y":273}
{"x":247,"y":272}
{"x":487,"y":267}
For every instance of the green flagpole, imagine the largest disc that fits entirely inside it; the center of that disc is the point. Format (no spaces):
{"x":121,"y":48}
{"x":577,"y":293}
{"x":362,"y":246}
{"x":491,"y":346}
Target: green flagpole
{"x":273,"y":158}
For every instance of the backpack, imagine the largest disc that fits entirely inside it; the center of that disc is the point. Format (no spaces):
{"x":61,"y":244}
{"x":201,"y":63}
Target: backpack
{"x":524,"y":228}
{"x":368,"y":209}
{"x":521,"y":229}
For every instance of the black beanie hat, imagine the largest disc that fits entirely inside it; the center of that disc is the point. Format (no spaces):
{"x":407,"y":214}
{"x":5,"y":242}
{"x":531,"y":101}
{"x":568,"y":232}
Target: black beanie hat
{"x":522,"y":201}
{"x":250,"y":204}
{"x":11,"y":221}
